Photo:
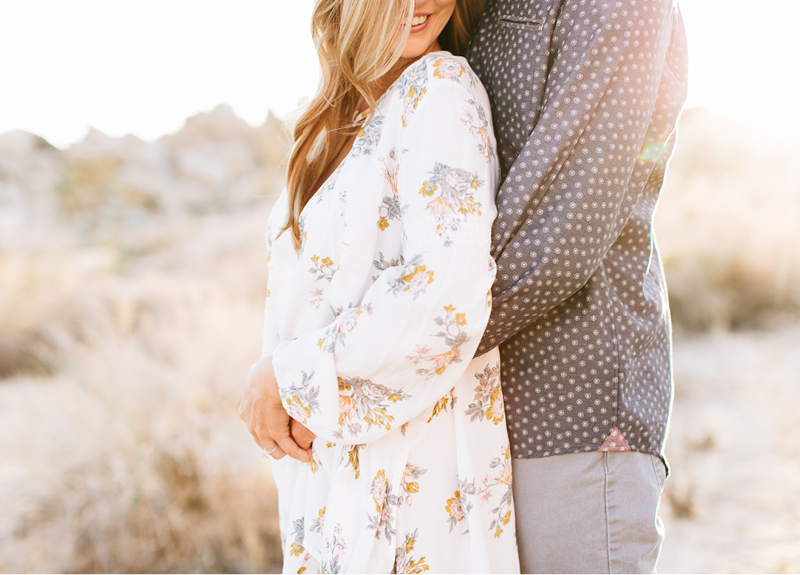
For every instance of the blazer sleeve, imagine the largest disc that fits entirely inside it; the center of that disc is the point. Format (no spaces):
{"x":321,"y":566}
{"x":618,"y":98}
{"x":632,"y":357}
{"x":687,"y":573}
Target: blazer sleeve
{"x":613,"y":94}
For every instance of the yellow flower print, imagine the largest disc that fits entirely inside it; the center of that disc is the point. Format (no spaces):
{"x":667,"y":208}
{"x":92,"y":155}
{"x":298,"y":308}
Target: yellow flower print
{"x":323,"y":267}
{"x":301,"y":399}
{"x":459,"y":506}
{"x":410,"y":481}
{"x":488,"y":402}
{"x":385,"y":503}
{"x":454,"y":337}
{"x":411,"y":101}
{"x":441,"y":406}
{"x":427,"y":190}
{"x":414,"y":278}
{"x":446,"y":68}
{"x":501,"y":481}
{"x":404,"y":562}
{"x":316,"y":526}
{"x":412,"y":86}
{"x":352,"y":459}
{"x":298,"y":533}
{"x":455,"y":198}
{"x":363,"y":401}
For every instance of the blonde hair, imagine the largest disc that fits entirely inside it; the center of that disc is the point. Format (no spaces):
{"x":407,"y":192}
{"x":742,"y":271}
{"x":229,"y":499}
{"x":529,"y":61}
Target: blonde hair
{"x":358,"y":42}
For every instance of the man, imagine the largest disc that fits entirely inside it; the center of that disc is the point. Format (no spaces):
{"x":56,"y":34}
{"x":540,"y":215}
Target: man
{"x":585,"y":98}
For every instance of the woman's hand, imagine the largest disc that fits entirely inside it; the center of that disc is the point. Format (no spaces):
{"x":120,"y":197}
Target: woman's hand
{"x":262,"y":410}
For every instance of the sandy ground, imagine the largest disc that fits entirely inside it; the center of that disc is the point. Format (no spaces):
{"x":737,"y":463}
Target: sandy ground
{"x":732,"y":503}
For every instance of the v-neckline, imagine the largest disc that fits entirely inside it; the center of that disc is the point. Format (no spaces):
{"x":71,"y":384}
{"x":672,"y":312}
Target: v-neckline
{"x":340,"y":166}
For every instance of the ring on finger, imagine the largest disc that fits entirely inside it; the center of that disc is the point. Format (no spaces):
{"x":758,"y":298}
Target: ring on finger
{"x":265,"y":454}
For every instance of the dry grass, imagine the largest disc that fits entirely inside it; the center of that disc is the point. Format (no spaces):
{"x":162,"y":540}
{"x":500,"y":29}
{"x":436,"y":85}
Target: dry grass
{"x":729,"y":225}
{"x":127,"y":326}
{"x":130,"y":457}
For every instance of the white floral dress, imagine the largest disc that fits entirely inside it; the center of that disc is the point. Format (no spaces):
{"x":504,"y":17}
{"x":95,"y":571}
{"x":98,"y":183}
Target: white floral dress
{"x":372,"y":327}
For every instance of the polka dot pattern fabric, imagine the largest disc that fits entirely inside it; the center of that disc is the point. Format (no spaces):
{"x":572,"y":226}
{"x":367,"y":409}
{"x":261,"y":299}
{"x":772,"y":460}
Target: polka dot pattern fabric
{"x":585,"y":99}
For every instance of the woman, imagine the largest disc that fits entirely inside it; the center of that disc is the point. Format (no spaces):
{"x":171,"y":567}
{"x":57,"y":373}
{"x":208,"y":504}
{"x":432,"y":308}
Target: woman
{"x":379,"y":290}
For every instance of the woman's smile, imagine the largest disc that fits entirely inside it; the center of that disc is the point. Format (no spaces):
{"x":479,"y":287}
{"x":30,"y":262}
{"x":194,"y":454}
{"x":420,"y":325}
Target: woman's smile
{"x":419,"y":22}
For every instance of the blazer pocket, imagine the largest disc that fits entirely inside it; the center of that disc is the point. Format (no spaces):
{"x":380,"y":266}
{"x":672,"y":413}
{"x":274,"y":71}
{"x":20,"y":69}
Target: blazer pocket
{"x":520,"y":23}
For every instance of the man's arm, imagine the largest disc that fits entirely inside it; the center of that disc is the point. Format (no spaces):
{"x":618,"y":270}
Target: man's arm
{"x":613,"y":93}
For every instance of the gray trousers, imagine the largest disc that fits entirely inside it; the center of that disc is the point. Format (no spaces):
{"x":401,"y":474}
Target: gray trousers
{"x":589,"y":512}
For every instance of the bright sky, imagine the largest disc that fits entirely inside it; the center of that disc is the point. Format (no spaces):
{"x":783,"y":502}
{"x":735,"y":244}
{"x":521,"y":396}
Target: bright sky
{"x":144,"y":66}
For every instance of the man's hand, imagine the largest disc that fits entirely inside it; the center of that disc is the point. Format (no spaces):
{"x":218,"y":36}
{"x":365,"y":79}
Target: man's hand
{"x":269,"y":424}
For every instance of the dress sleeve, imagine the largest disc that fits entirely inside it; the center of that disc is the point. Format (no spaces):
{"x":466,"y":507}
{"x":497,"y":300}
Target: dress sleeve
{"x":400,"y":352}
{"x":270,"y":337}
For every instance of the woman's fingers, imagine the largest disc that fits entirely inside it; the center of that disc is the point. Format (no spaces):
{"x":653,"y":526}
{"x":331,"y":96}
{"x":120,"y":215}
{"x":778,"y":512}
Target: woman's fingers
{"x":302,"y":435}
{"x":261,"y":409}
{"x":279,"y":429}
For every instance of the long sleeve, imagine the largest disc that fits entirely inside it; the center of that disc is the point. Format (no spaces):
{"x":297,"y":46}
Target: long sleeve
{"x":395,"y":352}
{"x":605,"y":129}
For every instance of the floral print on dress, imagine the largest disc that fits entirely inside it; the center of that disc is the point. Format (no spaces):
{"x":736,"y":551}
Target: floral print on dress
{"x":445,"y":403}
{"x":316,"y":526}
{"x":479,"y":127}
{"x":488,"y":402}
{"x":390,"y":208}
{"x":460,"y":504}
{"x":382,"y":264}
{"x":455,"y":198}
{"x":352,"y":459}
{"x":385,"y":504}
{"x":298,"y":533}
{"x":318,"y":296}
{"x":301,"y":399}
{"x":337,"y":334}
{"x":448,"y":68}
{"x":501,"y":479}
{"x":413,"y":279}
{"x":323,"y":267}
{"x":411,"y":88}
{"x":364,"y":401}
{"x":454,"y":337}
{"x":410,"y":482}
{"x":334,"y":552}
{"x":404,"y":562}
{"x":369,"y":136}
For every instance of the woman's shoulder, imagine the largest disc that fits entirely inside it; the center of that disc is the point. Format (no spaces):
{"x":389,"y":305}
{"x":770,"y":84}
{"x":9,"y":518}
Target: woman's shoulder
{"x":438,"y":68}
{"x":441,"y":73}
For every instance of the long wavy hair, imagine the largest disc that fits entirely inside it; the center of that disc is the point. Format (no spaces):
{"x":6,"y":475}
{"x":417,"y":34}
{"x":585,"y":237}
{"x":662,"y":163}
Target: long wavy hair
{"x":358,"y":42}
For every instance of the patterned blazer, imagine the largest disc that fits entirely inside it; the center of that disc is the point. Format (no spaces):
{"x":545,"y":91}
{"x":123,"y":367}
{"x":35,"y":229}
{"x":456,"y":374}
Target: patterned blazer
{"x":585,"y":98}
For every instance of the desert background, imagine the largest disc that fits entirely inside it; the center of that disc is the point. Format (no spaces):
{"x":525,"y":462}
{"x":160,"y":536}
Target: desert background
{"x":132,"y":283}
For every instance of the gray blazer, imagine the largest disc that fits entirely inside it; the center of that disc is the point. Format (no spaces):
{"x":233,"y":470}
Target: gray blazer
{"x":585,"y":99}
